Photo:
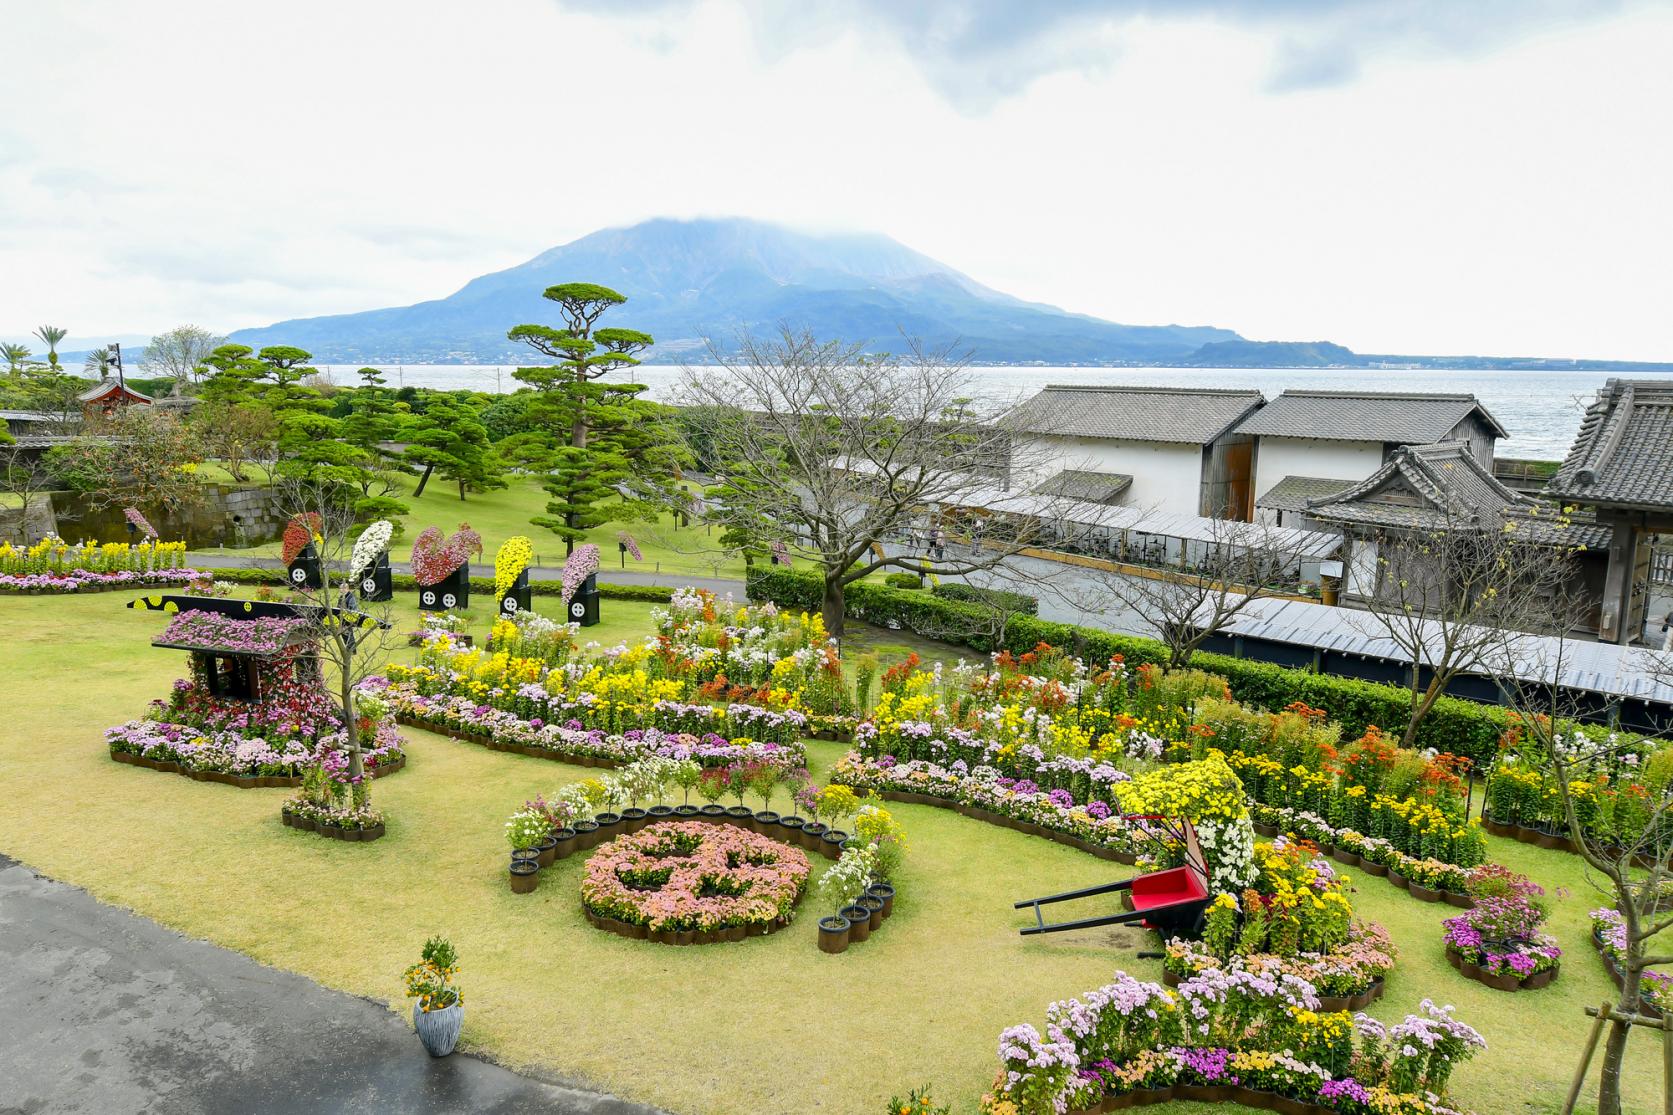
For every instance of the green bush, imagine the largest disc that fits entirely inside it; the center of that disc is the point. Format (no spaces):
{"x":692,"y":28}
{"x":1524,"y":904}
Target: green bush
{"x":904,"y":580}
{"x":1454,"y":724}
{"x":987,"y":597}
{"x":480,"y":586}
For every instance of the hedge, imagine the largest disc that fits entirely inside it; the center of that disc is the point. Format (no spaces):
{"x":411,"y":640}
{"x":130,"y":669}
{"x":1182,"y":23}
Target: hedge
{"x":1454,"y":724}
{"x":987,"y":597}
{"x":403,"y":582}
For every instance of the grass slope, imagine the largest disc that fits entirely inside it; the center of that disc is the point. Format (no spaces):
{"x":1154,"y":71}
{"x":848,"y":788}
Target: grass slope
{"x":768,"y":1024}
{"x":499,"y":515}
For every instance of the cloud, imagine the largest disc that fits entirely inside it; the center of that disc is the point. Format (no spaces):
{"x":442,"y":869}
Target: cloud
{"x":977,"y":53}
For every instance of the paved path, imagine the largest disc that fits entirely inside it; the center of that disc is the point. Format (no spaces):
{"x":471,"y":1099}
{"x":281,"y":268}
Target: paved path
{"x":109,"y":1013}
{"x":203,"y":560}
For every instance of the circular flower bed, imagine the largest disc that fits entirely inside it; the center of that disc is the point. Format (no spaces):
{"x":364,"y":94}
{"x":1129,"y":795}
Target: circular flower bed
{"x":1499,"y":944}
{"x":686,"y":882}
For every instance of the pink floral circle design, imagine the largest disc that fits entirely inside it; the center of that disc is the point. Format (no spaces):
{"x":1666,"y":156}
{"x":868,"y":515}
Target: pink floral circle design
{"x":691,"y":875}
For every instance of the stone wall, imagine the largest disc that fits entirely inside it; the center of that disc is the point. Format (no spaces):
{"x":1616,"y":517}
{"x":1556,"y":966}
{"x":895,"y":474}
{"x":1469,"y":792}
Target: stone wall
{"x":226,"y":515}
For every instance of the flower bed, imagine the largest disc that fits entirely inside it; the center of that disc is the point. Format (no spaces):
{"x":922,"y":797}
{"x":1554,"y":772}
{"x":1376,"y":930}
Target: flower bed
{"x":229,"y":757}
{"x":465,"y":719}
{"x":1609,"y":936}
{"x":1499,"y":944}
{"x":686,"y":882}
{"x":88,"y":580}
{"x":1348,"y":977}
{"x":1428,"y":880}
{"x":360,"y":823}
{"x":1226,"y":1035}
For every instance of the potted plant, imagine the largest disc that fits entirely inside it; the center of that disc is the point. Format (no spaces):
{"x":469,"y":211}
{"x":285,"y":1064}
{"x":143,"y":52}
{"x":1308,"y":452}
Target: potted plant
{"x":712,"y":786}
{"x":764,"y":779}
{"x":524,"y":875}
{"x":440,"y":1010}
{"x":833,"y":933}
{"x":737,"y":782}
{"x":525,"y":831}
{"x":686,"y":774}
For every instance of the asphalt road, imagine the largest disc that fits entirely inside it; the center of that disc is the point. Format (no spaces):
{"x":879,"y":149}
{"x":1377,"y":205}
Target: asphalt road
{"x":102,"y":1011}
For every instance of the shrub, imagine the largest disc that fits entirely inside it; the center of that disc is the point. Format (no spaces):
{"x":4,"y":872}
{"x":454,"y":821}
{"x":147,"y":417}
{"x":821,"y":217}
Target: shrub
{"x":403,"y":582}
{"x":987,"y":597}
{"x":904,"y":580}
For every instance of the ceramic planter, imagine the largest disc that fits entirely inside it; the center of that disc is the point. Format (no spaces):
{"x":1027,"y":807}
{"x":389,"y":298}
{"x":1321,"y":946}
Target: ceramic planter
{"x":567,"y":839}
{"x":859,"y":922}
{"x":548,"y":850}
{"x":586,"y":835}
{"x":609,"y":826}
{"x":524,"y":875}
{"x":660,"y":813}
{"x":1345,"y":855}
{"x":812,"y":832}
{"x":833,"y":933}
{"x":831,"y":843}
{"x":713,"y":813}
{"x":1422,"y":893}
{"x":635,"y":819}
{"x":766,"y":823}
{"x":1371,"y":867}
{"x":742,"y":816}
{"x":875,"y":906}
{"x":686,"y":812}
{"x":438,"y":1029}
{"x":1398,"y":880}
{"x":1462,"y":901}
{"x":885,"y":893}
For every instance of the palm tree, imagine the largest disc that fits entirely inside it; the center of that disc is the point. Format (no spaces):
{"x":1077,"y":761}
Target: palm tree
{"x":50,"y":335}
{"x":99,"y":362}
{"x":14,"y":356}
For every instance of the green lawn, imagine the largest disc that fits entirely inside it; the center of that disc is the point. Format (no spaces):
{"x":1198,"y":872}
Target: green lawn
{"x":667,"y":548}
{"x":769,"y":1024}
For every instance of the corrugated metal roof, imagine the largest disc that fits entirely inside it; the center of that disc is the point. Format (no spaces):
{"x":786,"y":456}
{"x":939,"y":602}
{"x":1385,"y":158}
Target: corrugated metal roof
{"x":1624,"y":451}
{"x":1593,"y":667}
{"x":1406,"y":418}
{"x":1187,"y":415}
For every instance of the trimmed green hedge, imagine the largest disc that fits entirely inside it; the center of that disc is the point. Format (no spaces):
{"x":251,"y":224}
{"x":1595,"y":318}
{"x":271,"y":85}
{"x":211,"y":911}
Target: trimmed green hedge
{"x":484,"y":586}
{"x":1454,"y":724}
{"x":987,"y":597}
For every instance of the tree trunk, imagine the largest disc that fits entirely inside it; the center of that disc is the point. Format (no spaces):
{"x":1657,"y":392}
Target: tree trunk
{"x":1614,"y":1056}
{"x":461,"y":491}
{"x":351,"y":730}
{"x":578,"y":430}
{"x":423,"y":480}
{"x":832,"y":606}
{"x":1421,"y":704}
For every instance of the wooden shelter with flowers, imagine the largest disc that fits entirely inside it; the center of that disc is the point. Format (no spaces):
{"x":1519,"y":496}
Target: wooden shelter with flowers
{"x":241,"y":650}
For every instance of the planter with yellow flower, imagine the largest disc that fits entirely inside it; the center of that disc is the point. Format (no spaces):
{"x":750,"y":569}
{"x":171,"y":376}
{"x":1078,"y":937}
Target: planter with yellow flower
{"x":511,"y":575}
{"x":439,"y":1012}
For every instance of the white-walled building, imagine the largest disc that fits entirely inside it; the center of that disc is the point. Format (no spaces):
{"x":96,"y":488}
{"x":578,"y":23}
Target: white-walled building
{"x":1311,"y":444}
{"x":1166,"y":449}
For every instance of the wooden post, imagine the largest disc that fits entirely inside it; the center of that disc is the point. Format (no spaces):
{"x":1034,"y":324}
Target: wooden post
{"x":1586,"y":1059}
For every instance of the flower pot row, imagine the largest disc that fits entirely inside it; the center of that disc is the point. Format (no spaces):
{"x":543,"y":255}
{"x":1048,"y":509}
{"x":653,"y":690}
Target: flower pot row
{"x":242,"y":781}
{"x":333,"y":832}
{"x":682,"y":936}
{"x":1206,"y":1093}
{"x":1327,"y":1003}
{"x":1505,"y":982}
{"x":1371,"y":867}
{"x":485,"y":740}
{"x":585,"y":835}
{"x":976,"y":812}
{"x":857,"y":922}
{"x":1647,"y":1009}
{"x":1541,"y":838}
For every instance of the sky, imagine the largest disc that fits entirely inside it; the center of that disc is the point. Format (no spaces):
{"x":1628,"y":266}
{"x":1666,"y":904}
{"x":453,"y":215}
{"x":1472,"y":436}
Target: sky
{"x":1410,"y":176}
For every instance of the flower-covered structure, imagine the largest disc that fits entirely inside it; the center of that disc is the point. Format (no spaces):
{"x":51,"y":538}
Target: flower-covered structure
{"x":254,"y":704}
{"x":442,"y":567}
{"x":511,"y":575}
{"x":369,"y":568}
{"x":580,"y":585}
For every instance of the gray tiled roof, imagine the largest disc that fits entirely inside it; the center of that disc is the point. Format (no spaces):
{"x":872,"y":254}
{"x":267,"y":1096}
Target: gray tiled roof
{"x":1091,"y":487}
{"x":1443,"y":486}
{"x":1193,"y":416}
{"x":1292,"y":492}
{"x":1389,"y":416}
{"x":1624,"y":451}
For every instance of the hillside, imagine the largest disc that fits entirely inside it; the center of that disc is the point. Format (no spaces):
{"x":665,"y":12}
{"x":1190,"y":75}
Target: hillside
{"x":687,"y":280}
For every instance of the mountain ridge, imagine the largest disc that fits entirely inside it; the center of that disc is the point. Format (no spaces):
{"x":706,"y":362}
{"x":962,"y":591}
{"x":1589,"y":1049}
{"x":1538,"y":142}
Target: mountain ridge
{"x":690,"y":279}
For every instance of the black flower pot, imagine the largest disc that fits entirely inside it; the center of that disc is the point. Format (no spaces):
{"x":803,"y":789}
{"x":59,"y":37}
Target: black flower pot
{"x":524,"y":875}
{"x":609,"y":825}
{"x":875,"y":906}
{"x":634,"y":819}
{"x":830,"y":842}
{"x":713,"y":813}
{"x":812,"y":832}
{"x":687,"y":812}
{"x":660,"y":813}
{"x":833,"y":933}
{"x":532,"y":855}
{"x":859,"y":922}
{"x":548,"y":851}
{"x":884,"y":893}
{"x":790,"y":828}
{"x":568,"y":839}
{"x":766,"y":822}
{"x":740,"y":815}
{"x":586,"y":835}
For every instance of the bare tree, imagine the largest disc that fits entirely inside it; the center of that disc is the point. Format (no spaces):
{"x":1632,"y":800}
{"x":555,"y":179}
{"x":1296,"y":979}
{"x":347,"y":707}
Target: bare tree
{"x":1447,"y":593}
{"x":1627,"y":858}
{"x":837,"y":453}
{"x":353,"y":643}
{"x":141,"y":457}
{"x":180,"y":353}
{"x":1217,"y":580}
{"x":24,"y":475}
